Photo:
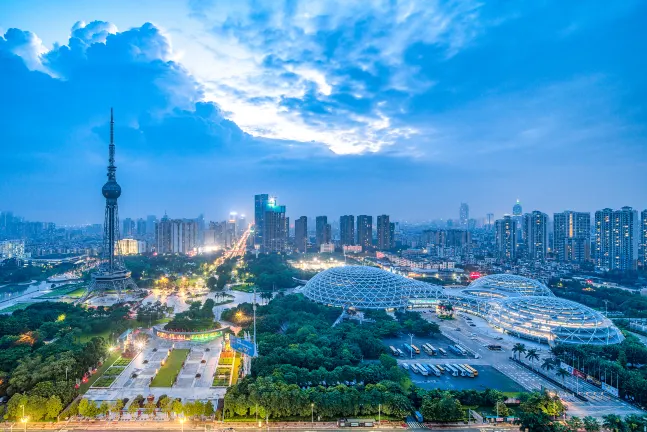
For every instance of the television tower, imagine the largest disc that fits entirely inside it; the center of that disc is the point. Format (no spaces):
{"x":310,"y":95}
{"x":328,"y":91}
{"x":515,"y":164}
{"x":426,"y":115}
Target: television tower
{"x":111,"y":274}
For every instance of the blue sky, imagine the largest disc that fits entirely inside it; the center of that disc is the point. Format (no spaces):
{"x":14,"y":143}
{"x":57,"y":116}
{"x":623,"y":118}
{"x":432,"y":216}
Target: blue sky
{"x":399,"y":107}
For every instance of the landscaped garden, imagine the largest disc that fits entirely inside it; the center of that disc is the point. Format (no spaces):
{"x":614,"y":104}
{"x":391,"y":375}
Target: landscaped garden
{"x":114,"y":366}
{"x":169,"y":371}
{"x":15,"y":307}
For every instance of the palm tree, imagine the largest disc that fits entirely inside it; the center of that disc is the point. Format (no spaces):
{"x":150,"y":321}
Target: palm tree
{"x":548,"y":364}
{"x":591,"y":424}
{"x":532,"y":356}
{"x":613,"y":422}
{"x":563,"y":373}
{"x":518,"y":349}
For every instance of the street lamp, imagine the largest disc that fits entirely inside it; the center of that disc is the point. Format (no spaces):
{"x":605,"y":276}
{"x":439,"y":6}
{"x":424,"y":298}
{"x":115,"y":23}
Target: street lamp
{"x":182,"y":423}
{"x":24,"y":422}
{"x":411,"y":344}
{"x":312,"y":408}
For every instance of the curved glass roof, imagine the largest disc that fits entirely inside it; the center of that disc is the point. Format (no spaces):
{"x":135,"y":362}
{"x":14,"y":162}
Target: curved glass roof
{"x":518,"y":285}
{"x":366,"y":288}
{"x":553,"y":320}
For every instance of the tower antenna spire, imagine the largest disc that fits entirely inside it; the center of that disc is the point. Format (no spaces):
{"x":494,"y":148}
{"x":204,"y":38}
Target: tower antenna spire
{"x":111,"y":149}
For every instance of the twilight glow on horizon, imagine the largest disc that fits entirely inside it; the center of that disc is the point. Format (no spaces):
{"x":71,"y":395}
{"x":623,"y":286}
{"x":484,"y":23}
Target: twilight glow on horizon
{"x":338,"y":107}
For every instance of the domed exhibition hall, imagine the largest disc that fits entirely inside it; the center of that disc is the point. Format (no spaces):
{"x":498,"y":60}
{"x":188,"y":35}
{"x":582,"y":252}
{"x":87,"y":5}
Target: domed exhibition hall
{"x":520,"y":306}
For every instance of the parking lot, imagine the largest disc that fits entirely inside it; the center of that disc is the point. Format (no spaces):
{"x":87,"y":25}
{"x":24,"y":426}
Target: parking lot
{"x":488,"y":378}
{"x":437,"y":341}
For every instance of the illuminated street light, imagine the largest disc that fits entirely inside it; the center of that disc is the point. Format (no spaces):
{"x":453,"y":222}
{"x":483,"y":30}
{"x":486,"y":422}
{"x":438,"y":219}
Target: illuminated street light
{"x":182,"y":419}
{"x":140,"y":345}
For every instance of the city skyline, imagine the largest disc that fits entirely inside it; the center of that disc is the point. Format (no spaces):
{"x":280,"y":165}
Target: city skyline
{"x":203,"y":126}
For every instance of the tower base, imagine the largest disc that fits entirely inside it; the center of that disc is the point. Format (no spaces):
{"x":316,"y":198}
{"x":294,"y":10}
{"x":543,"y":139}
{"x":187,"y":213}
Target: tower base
{"x":117,"y":280}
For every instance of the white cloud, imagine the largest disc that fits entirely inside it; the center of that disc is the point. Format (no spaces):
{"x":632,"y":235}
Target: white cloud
{"x":252,"y":58}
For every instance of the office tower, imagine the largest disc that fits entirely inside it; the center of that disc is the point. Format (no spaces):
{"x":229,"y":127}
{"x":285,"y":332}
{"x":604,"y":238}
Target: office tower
{"x":391,"y":235}
{"x":506,"y":238}
{"x":323,"y":230}
{"x":141,"y":227}
{"x":261,"y":203}
{"x":383,"y":232}
{"x":459,"y":239}
{"x":572,"y":236}
{"x":464,"y":215}
{"x":365,"y":231}
{"x":301,"y":234}
{"x":617,"y":236}
{"x":536,"y":235}
{"x":517,"y":215}
{"x":184,"y":236}
{"x":242,"y":224}
{"x":129,"y":227}
{"x":347,"y":230}
{"x":274,"y":228}
{"x":643,"y":224}
{"x":151,"y":221}
{"x":163,"y":235}
{"x":111,"y":274}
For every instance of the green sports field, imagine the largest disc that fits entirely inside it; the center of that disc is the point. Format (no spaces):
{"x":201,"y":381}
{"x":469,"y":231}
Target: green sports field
{"x":171,"y":369}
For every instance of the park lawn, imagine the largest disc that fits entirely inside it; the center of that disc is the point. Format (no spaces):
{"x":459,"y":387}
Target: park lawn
{"x":77,"y":293}
{"x":109,"y":361}
{"x":16,"y":307}
{"x":105,"y":334}
{"x":243,"y":288}
{"x":166,"y":375}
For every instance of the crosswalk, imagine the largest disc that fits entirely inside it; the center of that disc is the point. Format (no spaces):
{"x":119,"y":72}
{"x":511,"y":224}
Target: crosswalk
{"x":416,"y":425}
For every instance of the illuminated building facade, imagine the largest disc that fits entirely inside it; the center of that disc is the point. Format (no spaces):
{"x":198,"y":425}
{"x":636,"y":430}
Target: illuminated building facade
{"x":572,"y":236}
{"x":617,"y":234}
{"x":535,"y":235}
{"x":347,"y":230}
{"x":506,"y":238}
{"x":383,"y":232}
{"x":301,"y":234}
{"x":365,"y":231}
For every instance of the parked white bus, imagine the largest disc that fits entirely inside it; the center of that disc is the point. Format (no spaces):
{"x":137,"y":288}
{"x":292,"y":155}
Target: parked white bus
{"x":422,"y":369}
{"x":468,"y":370}
{"x":449,"y":368}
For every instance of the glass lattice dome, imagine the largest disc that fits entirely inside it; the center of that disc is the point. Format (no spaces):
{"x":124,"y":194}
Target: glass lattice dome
{"x":365,"y":287}
{"x":510,"y":283}
{"x":553,"y":320}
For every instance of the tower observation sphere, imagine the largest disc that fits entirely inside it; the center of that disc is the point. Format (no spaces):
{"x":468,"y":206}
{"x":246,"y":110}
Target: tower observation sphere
{"x":111,"y":190}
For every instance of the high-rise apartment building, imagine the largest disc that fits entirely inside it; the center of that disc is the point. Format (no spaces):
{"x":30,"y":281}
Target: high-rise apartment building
{"x":301,"y":234}
{"x":535,"y":227}
{"x":517,"y":216}
{"x":151,"y":221}
{"x":392,"y":235}
{"x":347,"y":230}
{"x":489,"y":221}
{"x":643,"y":227}
{"x":141,"y":227}
{"x":365,"y":231}
{"x":572,"y":236}
{"x":506,"y":238}
{"x":617,"y":235}
{"x":323,"y":230}
{"x":464,"y":215}
{"x":176,"y":236}
{"x":383,"y":232}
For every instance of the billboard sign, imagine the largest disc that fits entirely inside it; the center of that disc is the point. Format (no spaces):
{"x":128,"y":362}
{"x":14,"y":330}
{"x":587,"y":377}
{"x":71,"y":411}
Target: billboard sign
{"x":566,"y":367}
{"x":594,"y":381}
{"x":579,"y":374}
{"x":242,"y":346}
{"x":610,"y":389}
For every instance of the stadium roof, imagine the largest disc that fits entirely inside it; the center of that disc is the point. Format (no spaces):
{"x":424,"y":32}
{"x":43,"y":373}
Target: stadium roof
{"x":366,"y":287}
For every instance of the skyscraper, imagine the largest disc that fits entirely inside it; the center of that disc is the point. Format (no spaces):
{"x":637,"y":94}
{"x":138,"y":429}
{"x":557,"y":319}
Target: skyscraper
{"x":617,"y":236}
{"x":129,"y":227}
{"x":347,"y":230}
{"x":261,"y":202}
{"x":176,"y":236}
{"x":111,"y":274}
{"x":141,"y":227}
{"x":517,"y":215}
{"x":323,"y":230}
{"x":301,"y":234}
{"x":572,"y":236}
{"x":383,"y":232}
{"x":489,"y":221}
{"x":643,"y":224}
{"x":506,"y":238}
{"x":464,"y":215}
{"x":275,"y":234}
{"x":536,"y":235}
{"x":365,"y":231}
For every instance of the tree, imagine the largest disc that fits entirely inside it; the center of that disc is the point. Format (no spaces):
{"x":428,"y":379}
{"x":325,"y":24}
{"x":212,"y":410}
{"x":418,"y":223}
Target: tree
{"x":103,"y":409}
{"x":502,"y":409}
{"x":614,"y":422}
{"x":562,"y":373}
{"x":83,"y":407}
{"x":518,"y":349}
{"x":149,"y":408}
{"x":636,"y":423}
{"x":591,"y":424}
{"x":14,"y":410}
{"x":209,"y":410}
{"x":445,"y":409}
{"x":53,"y":407}
{"x":548,"y":364}
{"x":133,"y":408}
{"x":536,"y":422}
{"x":532,"y":355}
{"x":574,"y":424}
{"x":117,"y":407}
